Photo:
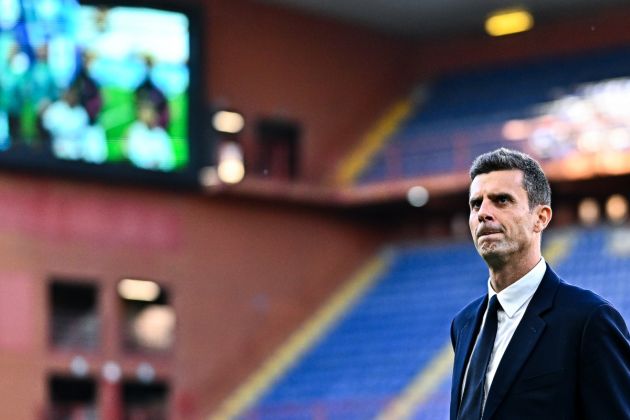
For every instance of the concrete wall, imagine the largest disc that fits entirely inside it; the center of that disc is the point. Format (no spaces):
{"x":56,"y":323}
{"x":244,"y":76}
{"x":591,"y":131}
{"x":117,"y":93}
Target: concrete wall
{"x":333,"y":78}
{"x":242,"y":275}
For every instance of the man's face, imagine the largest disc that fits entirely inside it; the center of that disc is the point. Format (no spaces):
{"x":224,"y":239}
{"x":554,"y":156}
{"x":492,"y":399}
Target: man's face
{"x":501,"y":223}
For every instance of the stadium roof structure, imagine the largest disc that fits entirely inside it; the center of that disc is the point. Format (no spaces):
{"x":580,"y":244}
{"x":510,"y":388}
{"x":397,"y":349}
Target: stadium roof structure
{"x":428,"y":18}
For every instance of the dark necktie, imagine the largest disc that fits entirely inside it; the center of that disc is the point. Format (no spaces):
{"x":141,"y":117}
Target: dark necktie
{"x":472,"y":401}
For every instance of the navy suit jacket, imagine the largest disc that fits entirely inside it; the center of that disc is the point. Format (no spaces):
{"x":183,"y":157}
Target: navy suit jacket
{"x":569,"y":358}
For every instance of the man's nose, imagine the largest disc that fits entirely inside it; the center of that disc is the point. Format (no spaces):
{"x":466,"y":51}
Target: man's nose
{"x":485,"y":211}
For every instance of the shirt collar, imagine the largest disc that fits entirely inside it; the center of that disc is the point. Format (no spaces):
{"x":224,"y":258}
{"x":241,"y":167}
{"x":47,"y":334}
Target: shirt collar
{"x":513,"y":297}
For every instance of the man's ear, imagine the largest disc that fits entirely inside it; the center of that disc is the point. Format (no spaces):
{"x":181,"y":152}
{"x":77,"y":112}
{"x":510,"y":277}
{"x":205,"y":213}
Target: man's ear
{"x":544,"y":214}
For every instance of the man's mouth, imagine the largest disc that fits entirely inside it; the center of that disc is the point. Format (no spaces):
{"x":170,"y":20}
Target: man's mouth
{"x":487,"y":232}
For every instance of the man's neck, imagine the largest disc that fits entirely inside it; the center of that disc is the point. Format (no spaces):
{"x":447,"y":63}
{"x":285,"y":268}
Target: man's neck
{"x":506,"y":274}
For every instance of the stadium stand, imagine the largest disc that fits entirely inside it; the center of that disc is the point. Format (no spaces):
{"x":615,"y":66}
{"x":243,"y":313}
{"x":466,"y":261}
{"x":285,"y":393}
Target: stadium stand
{"x":600,"y":261}
{"x":462,"y":115}
{"x":381,"y":347}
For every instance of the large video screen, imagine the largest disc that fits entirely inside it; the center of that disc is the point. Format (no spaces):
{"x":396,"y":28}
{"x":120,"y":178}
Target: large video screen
{"x":95,"y":85}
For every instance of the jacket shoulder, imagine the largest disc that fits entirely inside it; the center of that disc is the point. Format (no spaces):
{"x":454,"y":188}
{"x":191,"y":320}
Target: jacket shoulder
{"x":579,"y":297}
{"x":577,"y":304}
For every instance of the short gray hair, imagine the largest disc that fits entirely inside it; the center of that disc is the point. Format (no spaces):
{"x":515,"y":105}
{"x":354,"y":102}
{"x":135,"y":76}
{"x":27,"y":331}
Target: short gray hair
{"x":535,"y":182}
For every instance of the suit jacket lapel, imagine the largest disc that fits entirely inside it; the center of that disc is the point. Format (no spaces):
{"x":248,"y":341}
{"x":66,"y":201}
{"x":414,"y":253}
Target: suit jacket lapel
{"x":523,"y":341}
{"x":465,"y":343}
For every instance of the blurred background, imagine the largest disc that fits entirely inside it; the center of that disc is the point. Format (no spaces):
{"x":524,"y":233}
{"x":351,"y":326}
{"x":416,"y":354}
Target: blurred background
{"x":257,"y":209}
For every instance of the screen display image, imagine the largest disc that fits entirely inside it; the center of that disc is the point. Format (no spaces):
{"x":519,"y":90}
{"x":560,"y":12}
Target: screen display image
{"x":93,"y":83}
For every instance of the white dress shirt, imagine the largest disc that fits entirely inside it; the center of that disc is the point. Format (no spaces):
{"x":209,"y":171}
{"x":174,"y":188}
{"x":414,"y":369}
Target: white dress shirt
{"x":514,"y":300}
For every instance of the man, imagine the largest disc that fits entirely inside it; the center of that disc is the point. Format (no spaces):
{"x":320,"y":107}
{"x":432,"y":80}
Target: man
{"x":535,"y":347}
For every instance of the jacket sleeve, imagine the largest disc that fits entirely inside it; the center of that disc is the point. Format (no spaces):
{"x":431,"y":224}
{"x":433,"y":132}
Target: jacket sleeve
{"x":604,"y":369}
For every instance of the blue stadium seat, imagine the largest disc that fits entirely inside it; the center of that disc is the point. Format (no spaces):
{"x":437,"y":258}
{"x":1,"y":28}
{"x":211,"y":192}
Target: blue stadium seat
{"x":400,"y":325}
{"x":464,"y":113}
{"x":378,"y":346}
